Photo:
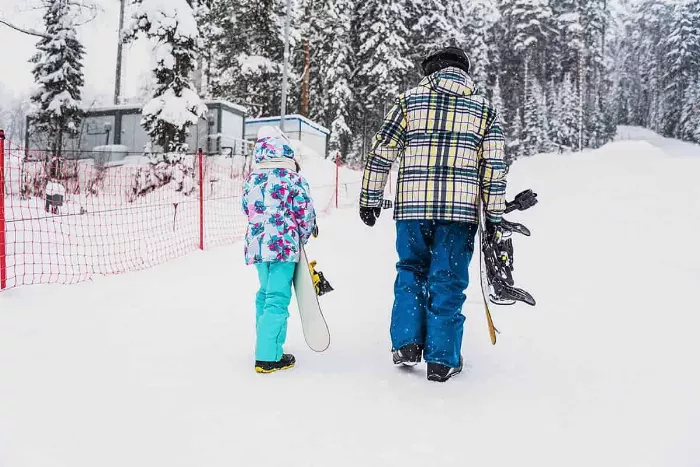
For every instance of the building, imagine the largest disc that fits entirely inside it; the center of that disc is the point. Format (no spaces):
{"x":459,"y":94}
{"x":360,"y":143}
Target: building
{"x":312,"y":136}
{"x":222,"y":132}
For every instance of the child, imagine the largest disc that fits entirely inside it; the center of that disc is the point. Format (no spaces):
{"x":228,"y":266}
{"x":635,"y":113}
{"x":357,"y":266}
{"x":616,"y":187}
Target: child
{"x":281,"y":218}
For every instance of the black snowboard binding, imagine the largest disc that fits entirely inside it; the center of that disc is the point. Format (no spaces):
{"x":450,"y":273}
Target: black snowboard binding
{"x":497,"y":248}
{"x":523,"y":200}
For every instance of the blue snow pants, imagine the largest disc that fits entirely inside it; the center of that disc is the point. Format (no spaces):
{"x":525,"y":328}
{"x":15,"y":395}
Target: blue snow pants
{"x":432,"y":275}
{"x":271,"y":309}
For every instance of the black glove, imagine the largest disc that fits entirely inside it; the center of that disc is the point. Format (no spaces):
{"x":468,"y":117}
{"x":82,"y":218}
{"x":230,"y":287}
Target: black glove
{"x":523,"y":200}
{"x":314,"y":231}
{"x":370,"y":215}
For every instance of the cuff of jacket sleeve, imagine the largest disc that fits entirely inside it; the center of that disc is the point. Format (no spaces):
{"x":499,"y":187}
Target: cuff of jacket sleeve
{"x":368,"y":200}
{"x":494,"y":218}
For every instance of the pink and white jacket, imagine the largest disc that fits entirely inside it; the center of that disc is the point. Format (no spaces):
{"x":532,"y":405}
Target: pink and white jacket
{"x":278,"y":204}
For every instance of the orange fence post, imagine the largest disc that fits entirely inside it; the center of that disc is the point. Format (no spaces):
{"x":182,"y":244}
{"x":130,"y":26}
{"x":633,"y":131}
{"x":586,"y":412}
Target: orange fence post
{"x":337,"y":177}
{"x":3,"y":262}
{"x":200,"y":156}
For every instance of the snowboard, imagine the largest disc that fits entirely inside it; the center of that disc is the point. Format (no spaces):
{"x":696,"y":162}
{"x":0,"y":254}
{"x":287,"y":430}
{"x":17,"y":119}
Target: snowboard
{"x":314,"y":326}
{"x":485,"y":287}
{"x":500,"y":290}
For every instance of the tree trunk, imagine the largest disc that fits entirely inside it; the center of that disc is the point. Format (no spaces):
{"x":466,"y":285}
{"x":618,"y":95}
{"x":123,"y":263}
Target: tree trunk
{"x":580,"y":94}
{"x":307,"y":79}
{"x":306,"y":84}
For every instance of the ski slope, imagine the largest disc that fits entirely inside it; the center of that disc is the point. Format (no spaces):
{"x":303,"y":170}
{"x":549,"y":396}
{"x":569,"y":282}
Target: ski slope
{"x":156,"y":368}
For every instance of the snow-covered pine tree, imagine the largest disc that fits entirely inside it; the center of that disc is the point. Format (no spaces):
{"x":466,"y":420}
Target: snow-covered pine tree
{"x":515,"y":147}
{"x":428,"y":28}
{"x":523,"y":33}
{"x":689,"y":123}
{"x":528,"y":26}
{"x":207,"y":14}
{"x":683,"y":61}
{"x":478,"y":23}
{"x":175,"y":105}
{"x":497,"y":100}
{"x":320,"y":33}
{"x":569,"y":120}
{"x":382,"y":57}
{"x":692,"y":126}
{"x":650,"y":20}
{"x":564,"y":48}
{"x":623,"y":66}
{"x":554,"y":115}
{"x":337,"y":70}
{"x":249,"y":55}
{"x":58,"y":75}
{"x":535,"y":129}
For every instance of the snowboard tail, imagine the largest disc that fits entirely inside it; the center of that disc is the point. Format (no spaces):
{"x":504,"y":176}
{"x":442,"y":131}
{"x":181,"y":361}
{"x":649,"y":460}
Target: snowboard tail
{"x":314,"y":326}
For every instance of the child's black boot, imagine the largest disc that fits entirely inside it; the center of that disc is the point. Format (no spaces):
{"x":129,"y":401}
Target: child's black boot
{"x":286,"y":362}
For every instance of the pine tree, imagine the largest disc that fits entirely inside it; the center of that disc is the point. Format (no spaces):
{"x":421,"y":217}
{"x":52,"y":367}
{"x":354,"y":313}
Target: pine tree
{"x":523,"y":32}
{"x":651,"y":20}
{"x":689,"y":123}
{"x":683,"y":57}
{"x":248,"y":57}
{"x":554,"y":115}
{"x":481,"y":16}
{"x":337,"y":73}
{"x":59,"y":77}
{"x":382,"y":56}
{"x":535,"y":129}
{"x":497,"y":100}
{"x":175,"y":104}
{"x":515,"y":147}
{"x":528,"y":25}
{"x":207,"y":14}
{"x":428,"y":28}
{"x":328,"y":34}
{"x":564,"y":48}
{"x":569,"y":121}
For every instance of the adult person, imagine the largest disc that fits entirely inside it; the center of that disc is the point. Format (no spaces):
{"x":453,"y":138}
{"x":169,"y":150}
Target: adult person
{"x":451,"y":149}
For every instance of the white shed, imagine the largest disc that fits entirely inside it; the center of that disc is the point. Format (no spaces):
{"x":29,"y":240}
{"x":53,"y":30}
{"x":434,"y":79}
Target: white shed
{"x":313,"y":137}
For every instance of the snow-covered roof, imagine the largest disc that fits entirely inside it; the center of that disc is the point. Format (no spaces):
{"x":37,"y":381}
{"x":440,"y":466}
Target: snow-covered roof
{"x":109,"y":108}
{"x":238,"y":107}
{"x":277,"y":118}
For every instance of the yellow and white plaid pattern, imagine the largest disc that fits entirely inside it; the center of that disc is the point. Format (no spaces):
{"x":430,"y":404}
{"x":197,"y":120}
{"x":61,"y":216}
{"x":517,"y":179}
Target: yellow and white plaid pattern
{"x":451,"y":147}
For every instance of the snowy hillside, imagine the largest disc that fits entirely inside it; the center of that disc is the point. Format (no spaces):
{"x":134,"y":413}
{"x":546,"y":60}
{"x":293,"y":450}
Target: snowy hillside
{"x":155,"y":368}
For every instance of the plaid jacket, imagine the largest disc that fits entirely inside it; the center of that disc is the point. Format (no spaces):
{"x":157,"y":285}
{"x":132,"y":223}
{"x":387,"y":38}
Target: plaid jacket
{"x":450,"y":144}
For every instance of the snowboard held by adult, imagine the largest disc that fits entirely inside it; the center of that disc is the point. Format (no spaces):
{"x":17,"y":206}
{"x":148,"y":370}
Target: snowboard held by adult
{"x":451,"y":150}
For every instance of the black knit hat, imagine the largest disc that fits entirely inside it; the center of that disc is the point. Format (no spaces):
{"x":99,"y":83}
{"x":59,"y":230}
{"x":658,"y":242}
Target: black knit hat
{"x":449,"y":56}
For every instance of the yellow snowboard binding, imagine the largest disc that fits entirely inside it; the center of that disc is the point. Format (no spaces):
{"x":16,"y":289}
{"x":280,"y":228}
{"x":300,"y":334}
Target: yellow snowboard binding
{"x":320,"y":283}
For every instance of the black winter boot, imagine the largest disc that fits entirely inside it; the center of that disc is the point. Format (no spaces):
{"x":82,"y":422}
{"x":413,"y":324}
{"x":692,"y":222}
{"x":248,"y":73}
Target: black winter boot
{"x":409,"y":355}
{"x":441,"y":373}
{"x":286,"y":362}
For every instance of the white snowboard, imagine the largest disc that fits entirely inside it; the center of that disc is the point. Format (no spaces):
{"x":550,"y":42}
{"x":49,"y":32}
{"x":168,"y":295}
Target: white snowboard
{"x":316,"y":332}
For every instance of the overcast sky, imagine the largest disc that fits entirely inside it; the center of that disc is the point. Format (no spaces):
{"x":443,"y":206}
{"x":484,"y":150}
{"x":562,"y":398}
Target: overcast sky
{"x":99,"y":38}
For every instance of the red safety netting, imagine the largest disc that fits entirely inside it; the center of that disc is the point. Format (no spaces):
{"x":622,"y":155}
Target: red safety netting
{"x":68,"y":219}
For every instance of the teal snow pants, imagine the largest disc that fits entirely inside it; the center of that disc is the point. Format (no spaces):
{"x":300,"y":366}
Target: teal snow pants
{"x":271,"y":309}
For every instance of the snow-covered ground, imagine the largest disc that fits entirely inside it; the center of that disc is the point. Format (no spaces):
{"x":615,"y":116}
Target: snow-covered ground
{"x":156,"y":368}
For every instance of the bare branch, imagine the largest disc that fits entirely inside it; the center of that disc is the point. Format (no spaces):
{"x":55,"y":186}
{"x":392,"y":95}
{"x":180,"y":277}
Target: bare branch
{"x":30,"y":32}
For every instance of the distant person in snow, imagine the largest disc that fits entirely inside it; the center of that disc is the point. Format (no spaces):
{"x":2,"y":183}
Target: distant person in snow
{"x":451,"y":150}
{"x":55,"y":191}
{"x":281,"y":218}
